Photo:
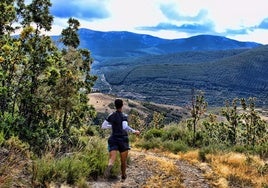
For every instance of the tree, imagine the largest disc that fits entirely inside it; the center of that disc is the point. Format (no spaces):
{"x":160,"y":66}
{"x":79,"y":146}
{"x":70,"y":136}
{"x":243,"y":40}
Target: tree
{"x":255,"y":126}
{"x":232,"y":116}
{"x":69,"y":35}
{"x":135,"y":120}
{"x":43,"y":90}
{"x":8,"y":16}
{"x":75,"y":81}
{"x":198,"y":108}
{"x":158,"y":120}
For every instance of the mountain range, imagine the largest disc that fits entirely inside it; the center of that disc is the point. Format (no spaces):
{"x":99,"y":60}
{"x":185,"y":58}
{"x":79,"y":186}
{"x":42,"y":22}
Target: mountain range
{"x":167,"y":71}
{"x":127,"y":44}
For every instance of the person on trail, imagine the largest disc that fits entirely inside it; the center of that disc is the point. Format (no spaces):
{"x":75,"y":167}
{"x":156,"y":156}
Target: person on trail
{"x":118,"y":140}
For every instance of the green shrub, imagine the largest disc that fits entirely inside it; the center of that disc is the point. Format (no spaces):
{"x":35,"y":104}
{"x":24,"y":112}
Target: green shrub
{"x":175,"y":146}
{"x":153,"y":133}
{"x":111,"y":105}
{"x":150,"y":144}
{"x":174,"y":132}
{"x":203,"y":152}
{"x":90,"y":162}
{"x":262,"y":150}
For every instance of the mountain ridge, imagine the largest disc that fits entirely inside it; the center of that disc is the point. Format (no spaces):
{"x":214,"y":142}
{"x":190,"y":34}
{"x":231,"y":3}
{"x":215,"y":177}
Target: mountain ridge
{"x":127,"y":44}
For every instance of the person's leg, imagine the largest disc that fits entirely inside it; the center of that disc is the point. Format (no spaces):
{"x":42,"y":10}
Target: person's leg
{"x":123,"y":157}
{"x":112,"y":158}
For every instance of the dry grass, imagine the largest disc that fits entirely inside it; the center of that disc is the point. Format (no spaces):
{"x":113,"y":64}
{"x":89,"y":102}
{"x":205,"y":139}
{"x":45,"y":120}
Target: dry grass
{"x":165,"y":173}
{"x":240,"y":169}
{"x":232,"y":169}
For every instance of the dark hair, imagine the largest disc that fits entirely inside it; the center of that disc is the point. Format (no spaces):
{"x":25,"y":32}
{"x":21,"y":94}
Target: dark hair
{"x":118,"y":103}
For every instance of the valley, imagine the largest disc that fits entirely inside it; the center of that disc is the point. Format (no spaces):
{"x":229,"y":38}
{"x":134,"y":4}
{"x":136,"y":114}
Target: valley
{"x":168,"y":81}
{"x":164,"y":71}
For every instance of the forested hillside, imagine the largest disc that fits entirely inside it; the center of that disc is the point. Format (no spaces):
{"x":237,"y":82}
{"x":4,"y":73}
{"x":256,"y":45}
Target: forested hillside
{"x":170,"y":79}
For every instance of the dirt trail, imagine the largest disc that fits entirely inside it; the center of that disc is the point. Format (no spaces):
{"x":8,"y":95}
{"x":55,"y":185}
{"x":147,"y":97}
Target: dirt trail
{"x":148,"y":169}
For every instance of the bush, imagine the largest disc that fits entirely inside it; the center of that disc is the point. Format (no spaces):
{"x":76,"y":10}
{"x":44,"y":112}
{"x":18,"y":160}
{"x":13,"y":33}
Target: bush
{"x":262,"y":150}
{"x":175,"y":146}
{"x":174,"y":132}
{"x":90,"y":162}
{"x":153,"y":133}
{"x":150,"y":144}
{"x":178,"y":132}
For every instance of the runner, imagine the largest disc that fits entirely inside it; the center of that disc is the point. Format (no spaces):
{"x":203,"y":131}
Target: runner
{"x":118,"y":141}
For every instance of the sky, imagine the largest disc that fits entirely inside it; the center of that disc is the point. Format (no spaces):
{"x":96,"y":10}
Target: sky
{"x":243,"y":20}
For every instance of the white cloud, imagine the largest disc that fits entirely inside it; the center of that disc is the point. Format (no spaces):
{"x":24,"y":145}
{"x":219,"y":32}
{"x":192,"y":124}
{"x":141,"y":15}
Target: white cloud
{"x":225,"y":15}
{"x":258,"y":35}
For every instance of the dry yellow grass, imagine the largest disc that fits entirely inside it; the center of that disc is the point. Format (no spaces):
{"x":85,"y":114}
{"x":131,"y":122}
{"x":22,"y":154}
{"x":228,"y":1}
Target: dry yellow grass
{"x":230,"y":169}
{"x":238,"y":168}
{"x":169,"y":176}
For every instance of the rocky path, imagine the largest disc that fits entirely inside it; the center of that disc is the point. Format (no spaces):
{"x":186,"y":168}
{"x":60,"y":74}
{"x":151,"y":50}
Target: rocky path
{"x":148,"y":169}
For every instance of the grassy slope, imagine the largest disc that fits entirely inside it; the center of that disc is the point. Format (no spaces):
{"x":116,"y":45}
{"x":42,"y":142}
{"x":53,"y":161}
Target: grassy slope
{"x":104,"y":105}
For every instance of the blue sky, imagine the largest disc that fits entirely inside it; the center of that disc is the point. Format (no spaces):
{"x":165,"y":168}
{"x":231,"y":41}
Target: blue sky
{"x":244,"y":20}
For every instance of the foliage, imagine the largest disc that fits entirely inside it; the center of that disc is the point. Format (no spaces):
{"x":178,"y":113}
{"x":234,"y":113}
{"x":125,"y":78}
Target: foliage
{"x":198,"y":108}
{"x":89,"y":162}
{"x":153,"y":133}
{"x":150,"y":144}
{"x":135,"y":120}
{"x":175,"y":146}
{"x":244,"y":127}
{"x":157,"y":121}
{"x":241,"y":128}
{"x":43,"y":89}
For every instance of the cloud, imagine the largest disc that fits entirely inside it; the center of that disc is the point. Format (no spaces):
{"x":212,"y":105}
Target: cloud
{"x":187,"y":28}
{"x":172,"y":13}
{"x":81,"y":9}
{"x":243,"y":31}
{"x":168,"y":19}
{"x":264,"y":24}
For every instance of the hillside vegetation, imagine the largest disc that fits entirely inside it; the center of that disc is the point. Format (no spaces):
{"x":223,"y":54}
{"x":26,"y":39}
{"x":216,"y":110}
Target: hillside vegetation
{"x":239,"y":75}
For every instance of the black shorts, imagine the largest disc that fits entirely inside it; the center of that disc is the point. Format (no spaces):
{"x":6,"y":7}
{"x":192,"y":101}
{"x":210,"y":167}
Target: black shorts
{"x":120,"y":143}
